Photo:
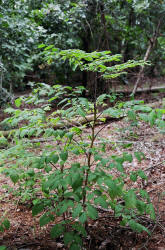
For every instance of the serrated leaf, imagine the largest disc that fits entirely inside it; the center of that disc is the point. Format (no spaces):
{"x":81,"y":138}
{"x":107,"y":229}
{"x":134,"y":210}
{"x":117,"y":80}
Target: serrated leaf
{"x":76,"y":151}
{"x":69,"y":135}
{"x":79,"y":228}
{"x":141,"y":206}
{"x":31,"y":132}
{"x":45,"y":219}
{"x":152,"y":118}
{"x":114,"y":190}
{"x":131,"y":115}
{"x":133,"y":176}
{"x":144,"y":195}
{"x":14,"y":177}
{"x":18,"y":102}
{"x":127,"y":157}
{"x":137,"y":227}
{"x":77,"y":210}
{"x":49,"y":47}
{"x":113,"y":112}
{"x":127,"y":145}
{"x":123,"y":222}
{"x":64,"y":207}
{"x":142,"y":174}
{"x":48,"y":169}
{"x":142,"y":108}
{"x":92,"y":212}
{"x":6,"y":224}
{"x":130,"y":199}
{"x":144,"y":117}
{"x":151,"y":211}
{"x":57,"y":230}
{"x":101,"y":98}
{"x":101,"y":201}
{"x":31,"y":172}
{"x":68,"y":237}
{"x":37,"y":209}
{"x":75,"y":246}
{"x":41,"y":46}
{"x":139,"y":156}
{"x":119,"y":167}
{"x":76,"y":181}
{"x":81,"y":112}
{"x":64,"y":155}
{"x":83,"y":218}
{"x":61,"y":133}
{"x":54,"y":158}
{"x":24,"y":132}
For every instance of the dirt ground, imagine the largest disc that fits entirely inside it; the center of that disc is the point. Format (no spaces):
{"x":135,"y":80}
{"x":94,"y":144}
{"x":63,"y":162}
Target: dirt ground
{"x":105,"y":232}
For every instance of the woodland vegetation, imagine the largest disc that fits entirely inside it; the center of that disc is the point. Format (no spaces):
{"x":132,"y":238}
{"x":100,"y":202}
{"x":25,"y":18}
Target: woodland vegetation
{"x":82,"y":123}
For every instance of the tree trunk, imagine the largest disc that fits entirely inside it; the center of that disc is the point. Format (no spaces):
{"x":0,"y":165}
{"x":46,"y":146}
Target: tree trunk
{"x":151,"y":45}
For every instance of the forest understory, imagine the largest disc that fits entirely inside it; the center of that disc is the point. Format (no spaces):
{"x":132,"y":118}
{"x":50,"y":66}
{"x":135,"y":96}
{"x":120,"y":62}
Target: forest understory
{"x":106,"y":231}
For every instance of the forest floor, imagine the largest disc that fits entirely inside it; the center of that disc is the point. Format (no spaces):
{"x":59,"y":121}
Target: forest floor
{"x":105,"y":232}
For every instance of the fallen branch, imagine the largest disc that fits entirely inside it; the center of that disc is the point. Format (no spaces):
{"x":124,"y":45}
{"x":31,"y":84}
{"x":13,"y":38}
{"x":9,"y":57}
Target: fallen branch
{"x":154,"y":165}
{"x":78,"y":121}
{"x":139,"y":90}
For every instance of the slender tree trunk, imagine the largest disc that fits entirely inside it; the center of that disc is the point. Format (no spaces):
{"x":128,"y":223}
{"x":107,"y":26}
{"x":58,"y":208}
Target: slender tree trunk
{"x":151,"y":45}
{"x":103,"y":20}
{"x":1,"y":81}
{"x":131,"y":23}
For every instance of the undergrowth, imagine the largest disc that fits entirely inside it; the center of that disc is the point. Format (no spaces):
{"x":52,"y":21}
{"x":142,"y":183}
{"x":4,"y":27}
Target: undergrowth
{"x":72,"y":190}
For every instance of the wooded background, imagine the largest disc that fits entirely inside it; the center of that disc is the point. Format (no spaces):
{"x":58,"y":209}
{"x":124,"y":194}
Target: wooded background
{"x":133,"y":28}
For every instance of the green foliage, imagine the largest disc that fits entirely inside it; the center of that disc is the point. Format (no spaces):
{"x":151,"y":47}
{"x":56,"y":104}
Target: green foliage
{"x":75,"y":24}
{"x":3,"y":248}
{"x":19,"y":36}
{"x":70,"y":188}
{"x":94,"y":61}
{"x":4,"y":224}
